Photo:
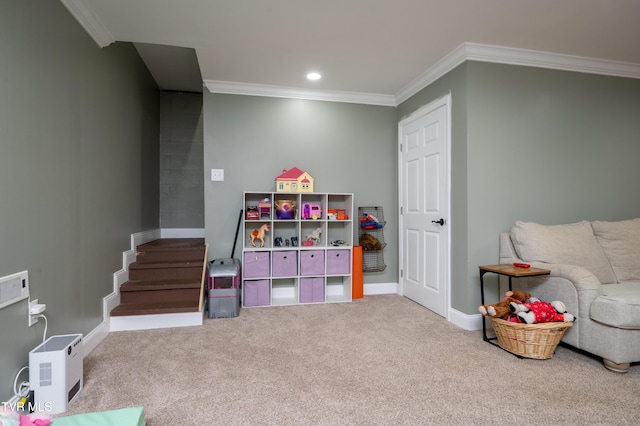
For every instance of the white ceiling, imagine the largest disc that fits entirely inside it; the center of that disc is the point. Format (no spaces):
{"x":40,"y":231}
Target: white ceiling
{"x":378,"y":47}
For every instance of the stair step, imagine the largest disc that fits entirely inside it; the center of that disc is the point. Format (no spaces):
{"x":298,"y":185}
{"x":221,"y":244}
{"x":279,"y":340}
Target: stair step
{"x":170,"y":249}
{"x":167,"y":270}
{"x":167,"y":264}
{"x":172,"y":307}
{"x":176,"y":295}
{"x":152,"y":291}
{"x":158,"y":285}
{"x":171,"y":244}
{"x":166,"y":278}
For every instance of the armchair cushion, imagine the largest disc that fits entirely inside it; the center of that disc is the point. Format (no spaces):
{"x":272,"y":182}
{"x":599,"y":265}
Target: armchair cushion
{"x":571,"y":244}
{"x":621,"y":244}
{"x":619,"y":306}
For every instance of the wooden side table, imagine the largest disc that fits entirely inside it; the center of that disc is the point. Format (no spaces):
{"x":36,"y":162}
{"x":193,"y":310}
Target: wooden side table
{"x":510,"y":271}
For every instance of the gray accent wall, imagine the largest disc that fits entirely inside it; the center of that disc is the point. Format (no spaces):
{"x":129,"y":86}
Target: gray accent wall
{"x":533,"y":144}
{"x":345,"y":147}
{"x":181,"y":160}
{"x":78,"y":170}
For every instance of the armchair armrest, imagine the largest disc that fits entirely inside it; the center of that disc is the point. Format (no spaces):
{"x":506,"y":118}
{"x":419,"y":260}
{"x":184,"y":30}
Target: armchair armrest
{"x":570,"y":284}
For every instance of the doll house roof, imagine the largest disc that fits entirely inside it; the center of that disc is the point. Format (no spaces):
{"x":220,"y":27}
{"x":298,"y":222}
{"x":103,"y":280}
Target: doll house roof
{"x":294,"y":174}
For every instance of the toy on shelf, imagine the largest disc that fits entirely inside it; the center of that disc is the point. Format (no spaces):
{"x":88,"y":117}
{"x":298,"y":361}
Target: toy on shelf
{"x":264,"y":207}
{"x":370,"y":243}
{"x":258,"y":234}
{"x":294,"y":180}
{"x":285,"y":209}
{"x":370,"y":222}
{"x":252,"y":213}
{"x":313,"y":237}
{"x":337,"y":214}
{"x":311,"y":211}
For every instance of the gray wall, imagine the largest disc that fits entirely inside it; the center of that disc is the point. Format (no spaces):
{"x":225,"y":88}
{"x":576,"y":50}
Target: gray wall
{"x":533,"y":144}
{"x":345,"y":147}
{"x":78,"y":169}
{"x":181,"y":160}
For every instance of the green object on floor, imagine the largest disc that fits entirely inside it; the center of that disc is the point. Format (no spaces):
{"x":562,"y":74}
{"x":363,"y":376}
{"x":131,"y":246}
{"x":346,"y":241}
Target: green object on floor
{"x":133,"y":416}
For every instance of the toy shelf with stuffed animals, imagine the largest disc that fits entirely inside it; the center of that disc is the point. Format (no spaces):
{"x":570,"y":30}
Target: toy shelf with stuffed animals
{"x":297,"y":248}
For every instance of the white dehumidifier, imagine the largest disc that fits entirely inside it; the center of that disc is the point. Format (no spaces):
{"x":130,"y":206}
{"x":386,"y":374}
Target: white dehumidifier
{"x":55,"y":372}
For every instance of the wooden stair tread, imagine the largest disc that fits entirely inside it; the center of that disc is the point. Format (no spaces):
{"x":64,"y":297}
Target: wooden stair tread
{"x":172,"y":244}
{"x":149,"y":285}
{"x":154,"y":308}
{"x":166,"y":278}
{"x":167,"y":264}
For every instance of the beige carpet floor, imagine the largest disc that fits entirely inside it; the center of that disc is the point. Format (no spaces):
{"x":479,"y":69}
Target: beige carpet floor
{"x":380,"y":360}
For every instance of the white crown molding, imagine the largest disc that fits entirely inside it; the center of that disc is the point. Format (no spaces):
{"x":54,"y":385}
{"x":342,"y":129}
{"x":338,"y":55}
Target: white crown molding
{"x":235,"y":88}
{"x":89,"y":21}
{"x":512,"y":56}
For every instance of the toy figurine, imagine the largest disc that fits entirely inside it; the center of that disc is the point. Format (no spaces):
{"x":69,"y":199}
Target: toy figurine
{"x":264,"y":207}
{"x":259,"y":234}
{"x":315,"y":236}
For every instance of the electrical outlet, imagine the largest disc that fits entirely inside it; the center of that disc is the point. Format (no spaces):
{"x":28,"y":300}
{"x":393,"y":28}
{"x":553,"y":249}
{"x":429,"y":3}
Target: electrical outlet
{"x":32,"y":320}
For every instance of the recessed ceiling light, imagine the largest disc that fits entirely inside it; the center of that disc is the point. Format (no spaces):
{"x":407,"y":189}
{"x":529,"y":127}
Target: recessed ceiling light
{"x":314,"y":76}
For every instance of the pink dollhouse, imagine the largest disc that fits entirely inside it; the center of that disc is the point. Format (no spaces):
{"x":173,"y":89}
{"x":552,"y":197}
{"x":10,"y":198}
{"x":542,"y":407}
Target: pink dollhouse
{"x":294,"y":180}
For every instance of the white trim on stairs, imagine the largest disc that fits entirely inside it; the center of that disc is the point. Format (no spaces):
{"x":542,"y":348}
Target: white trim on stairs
{"x":148,"y":322}
{"x":97,"y":335}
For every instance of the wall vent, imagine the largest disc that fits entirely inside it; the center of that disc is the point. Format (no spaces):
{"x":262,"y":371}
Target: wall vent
{"x":14,"y":288}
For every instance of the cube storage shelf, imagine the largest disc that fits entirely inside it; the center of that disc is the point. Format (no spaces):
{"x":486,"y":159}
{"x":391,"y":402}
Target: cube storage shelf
{"x":287,"y":271}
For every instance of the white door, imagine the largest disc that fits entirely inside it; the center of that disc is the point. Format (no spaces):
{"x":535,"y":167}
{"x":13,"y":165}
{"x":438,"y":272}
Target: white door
{"x":424,"y":181}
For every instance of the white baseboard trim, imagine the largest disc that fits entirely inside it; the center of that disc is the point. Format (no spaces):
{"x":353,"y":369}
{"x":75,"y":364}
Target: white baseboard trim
{"x":148,"y":322}
{"x":95,"y":337}
{"x":380,"y":288}
{"x":465,"y":321}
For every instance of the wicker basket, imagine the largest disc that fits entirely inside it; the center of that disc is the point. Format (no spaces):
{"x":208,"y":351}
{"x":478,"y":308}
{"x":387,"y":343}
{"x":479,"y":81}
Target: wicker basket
{"x":536,"y":341}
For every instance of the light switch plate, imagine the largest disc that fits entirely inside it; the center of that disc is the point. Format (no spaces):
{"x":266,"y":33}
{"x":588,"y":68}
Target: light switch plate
{"x":217,"y":175}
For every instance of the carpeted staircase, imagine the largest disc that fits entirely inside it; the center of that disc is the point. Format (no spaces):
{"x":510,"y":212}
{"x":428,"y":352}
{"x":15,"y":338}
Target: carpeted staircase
{"x":166,"y":278}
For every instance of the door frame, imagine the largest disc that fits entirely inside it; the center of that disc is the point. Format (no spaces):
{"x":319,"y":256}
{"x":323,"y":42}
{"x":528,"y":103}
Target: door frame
{"x":425,"y":109}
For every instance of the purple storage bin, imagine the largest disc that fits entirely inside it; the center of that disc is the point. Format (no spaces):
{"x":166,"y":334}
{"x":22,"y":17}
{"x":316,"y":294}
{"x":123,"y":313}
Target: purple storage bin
{"x":285,"y":264}
{"x":312,"y":262}
{"x":311,"y":290}
{"x":256,"y":264}
{"x":256,"y":293}
{"x":338,"y":262}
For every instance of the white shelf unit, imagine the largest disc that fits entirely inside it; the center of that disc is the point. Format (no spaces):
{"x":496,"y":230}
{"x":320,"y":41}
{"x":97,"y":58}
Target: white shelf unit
{"x":286,"y":272}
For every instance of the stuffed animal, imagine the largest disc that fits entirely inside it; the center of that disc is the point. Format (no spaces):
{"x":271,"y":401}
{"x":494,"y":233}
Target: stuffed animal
{"x":536,"y":311}
{"x":369,"y":242}
{"x":502,"y":308}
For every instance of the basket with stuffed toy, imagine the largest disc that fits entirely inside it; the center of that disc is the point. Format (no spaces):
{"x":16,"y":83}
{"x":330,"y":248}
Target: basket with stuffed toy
{"x":526,"y":326}
{"x":538,"y":341}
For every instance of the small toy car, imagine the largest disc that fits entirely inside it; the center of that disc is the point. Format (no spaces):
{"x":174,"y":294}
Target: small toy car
{"x":252,"y":213}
